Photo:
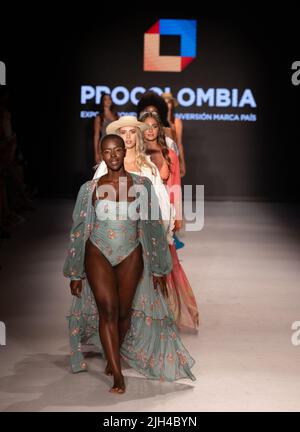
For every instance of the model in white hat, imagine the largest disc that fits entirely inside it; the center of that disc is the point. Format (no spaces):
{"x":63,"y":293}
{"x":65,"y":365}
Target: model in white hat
{"x":137,"y":162}
{"x":176,"y":123}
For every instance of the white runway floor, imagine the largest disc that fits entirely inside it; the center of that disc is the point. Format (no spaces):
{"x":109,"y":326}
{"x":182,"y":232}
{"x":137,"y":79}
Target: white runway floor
{"x":244,"y":267}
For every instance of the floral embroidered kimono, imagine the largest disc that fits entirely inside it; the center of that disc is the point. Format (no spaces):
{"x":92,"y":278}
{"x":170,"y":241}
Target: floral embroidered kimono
{"x":152,"y":345}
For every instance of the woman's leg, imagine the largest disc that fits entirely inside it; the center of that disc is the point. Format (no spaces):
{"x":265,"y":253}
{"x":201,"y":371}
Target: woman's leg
{"x":128,"y":274}
{"x":103,"y":282}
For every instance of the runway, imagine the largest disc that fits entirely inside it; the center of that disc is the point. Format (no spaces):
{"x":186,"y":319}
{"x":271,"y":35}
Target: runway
{"x":244,"y":267}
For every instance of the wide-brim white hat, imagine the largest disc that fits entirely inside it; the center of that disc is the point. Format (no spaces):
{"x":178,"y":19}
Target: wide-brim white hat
{"x":125,"y":121}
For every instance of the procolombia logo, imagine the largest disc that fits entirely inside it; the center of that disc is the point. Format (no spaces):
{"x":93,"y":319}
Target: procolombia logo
{"x":154,"y":61}
{"x":192,"y":98}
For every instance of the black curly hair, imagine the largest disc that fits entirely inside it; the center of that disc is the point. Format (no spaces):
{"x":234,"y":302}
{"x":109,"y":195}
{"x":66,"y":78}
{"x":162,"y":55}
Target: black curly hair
{"x":152,"y":98}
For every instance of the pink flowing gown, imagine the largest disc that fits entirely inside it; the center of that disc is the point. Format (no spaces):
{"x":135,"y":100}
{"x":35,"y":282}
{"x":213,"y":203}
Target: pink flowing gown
{"x":181,"y":298}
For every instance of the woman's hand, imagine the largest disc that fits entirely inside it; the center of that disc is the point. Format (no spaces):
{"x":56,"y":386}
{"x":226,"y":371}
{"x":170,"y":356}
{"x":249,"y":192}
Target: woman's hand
{"x":160,"y":282}
{"x":177,"y":225}
{"x":182,"y":168}
{"x":76,"y":288}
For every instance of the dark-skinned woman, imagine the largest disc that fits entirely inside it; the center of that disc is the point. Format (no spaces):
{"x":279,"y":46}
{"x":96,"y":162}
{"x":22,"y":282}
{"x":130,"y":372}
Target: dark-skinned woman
{"x":117,"y":262}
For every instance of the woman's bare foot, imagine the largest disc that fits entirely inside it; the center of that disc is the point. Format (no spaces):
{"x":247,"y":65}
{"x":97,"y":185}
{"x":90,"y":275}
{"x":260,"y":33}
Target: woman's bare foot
{"x":119,"y":385}
{"x":108,"y":370}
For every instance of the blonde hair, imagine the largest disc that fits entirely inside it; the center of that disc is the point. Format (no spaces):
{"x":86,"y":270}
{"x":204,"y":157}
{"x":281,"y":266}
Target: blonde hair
{"x":141,"y":158}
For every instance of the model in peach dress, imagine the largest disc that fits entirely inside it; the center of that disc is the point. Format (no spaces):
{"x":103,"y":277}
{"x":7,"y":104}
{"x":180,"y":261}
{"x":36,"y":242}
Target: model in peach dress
{"x":181,"y":298}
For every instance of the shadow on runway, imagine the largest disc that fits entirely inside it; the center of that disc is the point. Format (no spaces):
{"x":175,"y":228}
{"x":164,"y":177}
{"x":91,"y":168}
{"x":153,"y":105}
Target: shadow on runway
{"x":82,"y":391}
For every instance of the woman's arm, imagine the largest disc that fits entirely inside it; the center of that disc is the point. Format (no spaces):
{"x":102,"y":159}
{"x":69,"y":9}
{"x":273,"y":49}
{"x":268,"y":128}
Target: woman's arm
{"x":97,"y":137}
{"x":74,"y":263}
{"x":179,"y":128}
{"x":168,"y":132}
{"x":175,"y":192}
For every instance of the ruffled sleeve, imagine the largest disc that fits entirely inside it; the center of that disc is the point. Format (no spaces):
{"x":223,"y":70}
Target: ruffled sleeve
{"x":74,"y":263}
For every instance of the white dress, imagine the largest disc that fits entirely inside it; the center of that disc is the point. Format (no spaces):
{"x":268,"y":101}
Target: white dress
{"x":167,"y":209}
{"x":172,"y":145}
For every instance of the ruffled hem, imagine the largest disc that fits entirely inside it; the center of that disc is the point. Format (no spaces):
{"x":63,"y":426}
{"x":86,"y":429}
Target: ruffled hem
{"x":152,"y":347}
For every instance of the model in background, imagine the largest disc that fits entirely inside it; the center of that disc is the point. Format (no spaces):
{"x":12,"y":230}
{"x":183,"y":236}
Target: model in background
{"x":176,"y":123}
{"x":107,"y":114}
{"x":181,"y":297}
{"x":152,"y":102}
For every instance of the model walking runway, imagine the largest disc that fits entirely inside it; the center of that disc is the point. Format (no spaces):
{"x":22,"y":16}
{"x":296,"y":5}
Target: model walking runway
{"x":244,"y":267}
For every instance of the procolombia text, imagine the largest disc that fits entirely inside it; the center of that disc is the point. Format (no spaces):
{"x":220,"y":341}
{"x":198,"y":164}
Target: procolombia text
{"x":233,"y":117}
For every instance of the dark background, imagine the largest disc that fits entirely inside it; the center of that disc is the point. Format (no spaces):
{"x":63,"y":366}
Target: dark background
{"x":48,"y":59}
